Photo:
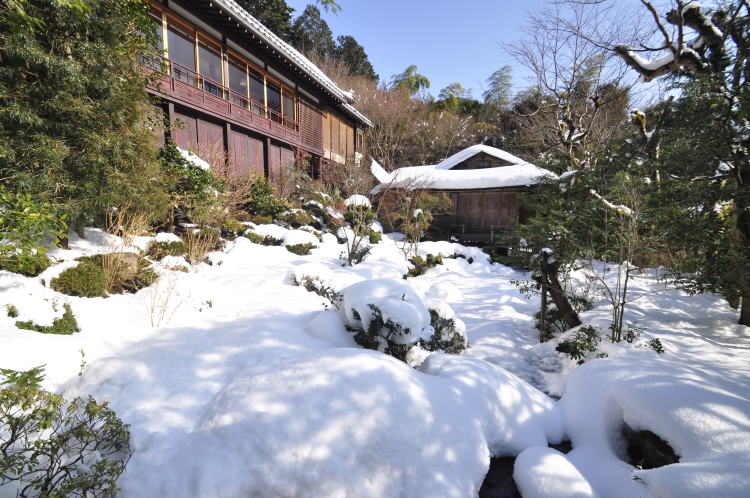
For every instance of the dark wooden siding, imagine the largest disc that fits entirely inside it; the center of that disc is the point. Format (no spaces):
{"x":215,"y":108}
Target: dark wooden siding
{"x":280,"y":163}
{"x":246,"y":154}
{"x":310,"y":125}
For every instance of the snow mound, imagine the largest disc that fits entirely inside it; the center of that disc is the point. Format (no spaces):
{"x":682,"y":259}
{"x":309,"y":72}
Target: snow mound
{"x":357,"y":200}
{"x":514,"y":415}
{"x":314,"y":274}
{"x":294,"y":237}
{"x":166,"y":237}
{"x":707,"y":426}
{"x":328,"y":326}
{"x":542,"y":472}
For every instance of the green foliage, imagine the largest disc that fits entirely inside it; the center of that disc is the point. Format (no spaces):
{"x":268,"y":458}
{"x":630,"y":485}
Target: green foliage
{"x":233,"y":226}
{"x":263,"y":202}
{"x":24,"y":223}
{"x":410,"y":81}
{"x":158,"y":250}
{"x":374,"y":237}
{"x":27,"y":378}
{"x":499,"y":86}
{"x":193,"y":186}
{"x":65,"y":325}
{"x":261,"y":220}
{"x":311,"y":35}
{"x":584,"y":341}
{"x":360,"y":218}
{"x":54,"y":448}
{"x":11,"y":310}
{"x":255,"y":238}
{"x":356,"y":256}
{"x":446,"y":337}
{"x":312,"y":284}
{"x":73,"y":106}
{"x":276,"y":15}
{"x":27,"y":264}
{"x":656,"y":345}
{"x":85,"y":280}
{"x":300,"y":249}
{"x":421,"y":265}
{"x":353,"y":55}
{"x":295,"y":218}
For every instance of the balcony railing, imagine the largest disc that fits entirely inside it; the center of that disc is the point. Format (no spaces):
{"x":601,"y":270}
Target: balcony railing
{"x":212,"y":87}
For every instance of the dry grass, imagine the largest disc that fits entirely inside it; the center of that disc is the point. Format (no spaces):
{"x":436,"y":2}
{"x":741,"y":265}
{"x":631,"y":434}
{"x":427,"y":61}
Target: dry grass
{"x":199,"y":244}
{"x":117,"y":262}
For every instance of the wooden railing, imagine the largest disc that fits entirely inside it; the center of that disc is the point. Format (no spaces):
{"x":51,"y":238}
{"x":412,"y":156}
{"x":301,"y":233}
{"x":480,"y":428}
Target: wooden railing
{"x":211,"y":87}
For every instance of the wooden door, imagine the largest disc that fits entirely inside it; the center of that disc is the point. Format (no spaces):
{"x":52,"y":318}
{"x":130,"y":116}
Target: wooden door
{"x":210,"y":140}
{"x":185,"y":132}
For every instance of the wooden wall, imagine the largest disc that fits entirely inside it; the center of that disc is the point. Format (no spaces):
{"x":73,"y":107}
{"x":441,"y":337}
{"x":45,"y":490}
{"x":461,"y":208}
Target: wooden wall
{"x":481,"y":161}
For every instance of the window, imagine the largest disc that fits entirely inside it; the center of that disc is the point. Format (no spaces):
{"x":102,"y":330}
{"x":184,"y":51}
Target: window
{"x":181,"y":47}
{"x":273,"y":94}
{"x":288,"y":103}
{"x":157,"y":30}
{"x":237,"y":74}
{"x":209,"y":58}
{"x":257,"y":93}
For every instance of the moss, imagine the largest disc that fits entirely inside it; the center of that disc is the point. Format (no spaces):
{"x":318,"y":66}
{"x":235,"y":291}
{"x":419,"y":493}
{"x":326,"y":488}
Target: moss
{"x":29,"y":265}
{"x":85,"y":280}
{"x":65,"y":325}
{"x":158,"y":250}
{"x":300,"y":249}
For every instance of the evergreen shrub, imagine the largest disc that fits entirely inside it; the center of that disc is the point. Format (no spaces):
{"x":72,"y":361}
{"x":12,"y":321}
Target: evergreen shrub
{"x":421,"y":265}
{"x":300,"y":249}
{"x":65,"y":325}
{"x":158,"y":250}
{"x":27,"y":264}
{"x":585,"y":341}
{"x":85,"y":280}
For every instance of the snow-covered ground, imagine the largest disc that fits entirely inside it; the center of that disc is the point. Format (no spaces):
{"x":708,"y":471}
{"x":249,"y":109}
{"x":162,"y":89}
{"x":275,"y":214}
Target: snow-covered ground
{"x":237,"y":383}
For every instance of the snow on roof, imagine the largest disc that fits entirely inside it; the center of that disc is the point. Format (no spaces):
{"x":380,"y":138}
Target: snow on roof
{"x":441,"y":177}
{"x":302,"y":62}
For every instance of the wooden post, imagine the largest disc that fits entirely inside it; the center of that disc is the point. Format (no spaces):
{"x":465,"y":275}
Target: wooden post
{"x":267,"y":158}
{"x":543,"y":317}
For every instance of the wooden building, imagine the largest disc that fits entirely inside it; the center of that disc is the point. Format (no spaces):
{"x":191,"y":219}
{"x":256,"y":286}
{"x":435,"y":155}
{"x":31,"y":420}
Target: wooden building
{"x":483,"y":183}
{"x":231,"y":86}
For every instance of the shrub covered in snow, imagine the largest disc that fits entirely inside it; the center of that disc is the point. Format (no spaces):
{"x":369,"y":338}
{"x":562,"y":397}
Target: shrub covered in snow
{"x":318,"y":279}
{"x":65,"y":325}
{"x":52,"y":447}
{"x":421,"y":265}
{"x":581,"y":344}
{"x":296,"y":218}
{"x":85,"y":280}
{"x":393,"y":317}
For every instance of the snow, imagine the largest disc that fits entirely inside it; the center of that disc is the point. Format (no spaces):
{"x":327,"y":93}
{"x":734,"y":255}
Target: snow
{"x":357,"y":200}
{"x":542,"y":472}
{"x":288,"y":237}
{"x":441,"y":176}
{"x":194,"y":159}
{"x":237,"y":383}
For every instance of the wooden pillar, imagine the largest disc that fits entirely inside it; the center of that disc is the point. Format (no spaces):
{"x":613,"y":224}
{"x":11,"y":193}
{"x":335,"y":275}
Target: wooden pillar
{"x":228,"y":146}
{"x":267,"y":159}
{"x":172,"y":116}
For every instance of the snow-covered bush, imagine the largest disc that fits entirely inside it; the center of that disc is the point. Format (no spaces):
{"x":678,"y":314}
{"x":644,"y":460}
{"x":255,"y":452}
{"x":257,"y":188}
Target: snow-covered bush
{"x":393,"y":317}
{"x":52,"y":447}
{"x":318,"y":279}
{"x":421,"y":265}
{"x":295,"y":218}
{"x":581,"y":344}
{"x":159,"y":249}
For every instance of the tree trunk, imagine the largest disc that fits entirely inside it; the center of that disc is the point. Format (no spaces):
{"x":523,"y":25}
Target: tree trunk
{"x":543,"y":335}
{"x":561,"y":300}
{"x":80,"y":229}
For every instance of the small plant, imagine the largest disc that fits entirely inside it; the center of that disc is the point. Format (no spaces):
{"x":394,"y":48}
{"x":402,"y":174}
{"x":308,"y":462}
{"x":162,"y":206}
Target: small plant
{"x":65,"y":325}
{"x":27,"y":264}
{"x":375,"y":237}
{"x":356,"y":256}
{"x":458,"y":255}
{"x":255,"y":238}
{"x":85,"y":280}
{"x":656,"y":345}
{"x":446,"y":337}
{"x":158,"y":250}
{"x":232,"y":227}
{"x":199,"y":244}
{"x":262,"y":201}
{"x":12,"y":310}
{"x":585,"y":341}
{"x":300,"y":249}
{"x":261,"y":220}
{"x":630,"y":335}
{"x":295,"y":218}
{"x":320,"y":288}
{"x":82,"y":365}
{"x":25,"y":378}
{"x":58,"y":448}
{"x":421,"y":265}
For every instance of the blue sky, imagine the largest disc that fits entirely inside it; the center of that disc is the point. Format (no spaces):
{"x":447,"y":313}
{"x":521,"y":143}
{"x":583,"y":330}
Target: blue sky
{"x":447,"y":40}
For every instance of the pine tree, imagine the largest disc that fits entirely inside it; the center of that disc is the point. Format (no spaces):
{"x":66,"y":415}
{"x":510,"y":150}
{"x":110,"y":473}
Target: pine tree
{"x":354,"y":56}
{"x":310,"y":34}
{"x":276,"y":15}
{"x":73,"y":106}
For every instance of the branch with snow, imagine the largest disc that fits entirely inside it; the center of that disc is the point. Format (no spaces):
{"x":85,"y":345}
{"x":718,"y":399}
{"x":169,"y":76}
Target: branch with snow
{"x":620,"y":208}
